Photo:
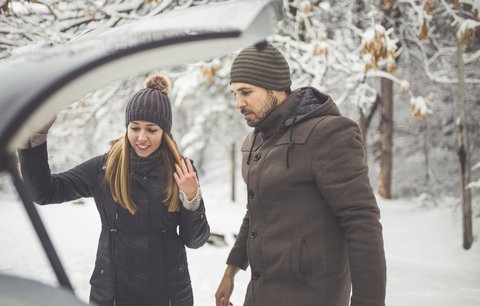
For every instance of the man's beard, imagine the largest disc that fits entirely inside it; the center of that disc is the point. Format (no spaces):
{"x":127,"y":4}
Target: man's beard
{"x":270,"y":104}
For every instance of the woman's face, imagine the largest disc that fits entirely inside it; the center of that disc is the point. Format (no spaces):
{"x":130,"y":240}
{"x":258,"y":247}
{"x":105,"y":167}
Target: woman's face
{"x":144,"y":137}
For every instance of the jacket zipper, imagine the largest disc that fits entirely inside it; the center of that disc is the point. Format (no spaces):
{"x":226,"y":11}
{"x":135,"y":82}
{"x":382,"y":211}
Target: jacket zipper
{"x":113,"y":232}
{"x":250,"y":225}
{"x":164,"y":233}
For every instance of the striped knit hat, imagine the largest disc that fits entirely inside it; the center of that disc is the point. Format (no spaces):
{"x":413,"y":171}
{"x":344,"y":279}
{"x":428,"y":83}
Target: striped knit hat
{"x":262,"y":66}
{"x":152,"y":103}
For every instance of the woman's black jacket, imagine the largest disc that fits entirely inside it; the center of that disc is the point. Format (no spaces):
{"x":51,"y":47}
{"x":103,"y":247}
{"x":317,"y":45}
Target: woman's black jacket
{"x":141,"y":258}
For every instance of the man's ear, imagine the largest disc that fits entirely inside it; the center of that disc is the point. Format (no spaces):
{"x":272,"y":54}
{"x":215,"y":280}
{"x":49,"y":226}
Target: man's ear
{"x":280,"y":95}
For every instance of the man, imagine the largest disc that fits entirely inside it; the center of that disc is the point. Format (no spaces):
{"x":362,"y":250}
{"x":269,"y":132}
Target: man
{"x":311,"y":233}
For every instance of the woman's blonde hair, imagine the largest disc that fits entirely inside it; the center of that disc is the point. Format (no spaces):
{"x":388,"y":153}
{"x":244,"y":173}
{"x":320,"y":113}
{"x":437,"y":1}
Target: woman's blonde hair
{"x":118,"y":172}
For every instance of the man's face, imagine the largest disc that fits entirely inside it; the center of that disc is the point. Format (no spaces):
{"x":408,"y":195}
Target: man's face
{"x":255,"y":103}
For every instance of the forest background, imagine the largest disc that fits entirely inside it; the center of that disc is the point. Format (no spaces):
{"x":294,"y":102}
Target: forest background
{"x":407,"y":71}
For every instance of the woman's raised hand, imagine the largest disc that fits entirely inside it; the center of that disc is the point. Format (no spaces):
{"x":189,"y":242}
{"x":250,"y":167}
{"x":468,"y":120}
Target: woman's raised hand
{"x":186,"y":178}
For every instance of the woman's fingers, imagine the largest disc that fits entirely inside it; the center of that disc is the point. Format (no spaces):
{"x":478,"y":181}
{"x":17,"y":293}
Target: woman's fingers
{"x":190,"y":166}
{"x":179,"y":171}
{"x":184,"y":167}
{"x":177,"y":178}
{"x":186,"y":178}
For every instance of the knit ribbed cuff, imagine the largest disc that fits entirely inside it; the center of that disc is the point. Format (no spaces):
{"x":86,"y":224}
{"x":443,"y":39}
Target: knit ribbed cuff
{"x":194,"y":204}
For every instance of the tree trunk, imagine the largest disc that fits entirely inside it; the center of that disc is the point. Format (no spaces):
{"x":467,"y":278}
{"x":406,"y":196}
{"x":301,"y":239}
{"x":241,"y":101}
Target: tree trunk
{"x":362,"y":123}
{"x":365,"y":119}
{"x":386,"y":139}
{"x":424,"y":132}
{"x":463,"y":152}
{"x":4,"y":7}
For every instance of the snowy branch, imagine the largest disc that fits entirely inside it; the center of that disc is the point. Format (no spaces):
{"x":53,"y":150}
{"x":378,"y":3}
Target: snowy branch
{"x":109,"y":12}
{"x":162,"y":7}
{"x":476,"y":166}
{"x":472,"y":58}
{"x":475,"y":184}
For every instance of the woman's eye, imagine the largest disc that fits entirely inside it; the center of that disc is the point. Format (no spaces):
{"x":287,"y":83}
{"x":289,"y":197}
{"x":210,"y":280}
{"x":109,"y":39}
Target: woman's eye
{"x":152,"y":131}
{"x":134,"y":129}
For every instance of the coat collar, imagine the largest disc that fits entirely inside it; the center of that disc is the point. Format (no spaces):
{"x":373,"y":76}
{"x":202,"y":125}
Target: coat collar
{"x":303,"y":103}
{"x":151,"y":165}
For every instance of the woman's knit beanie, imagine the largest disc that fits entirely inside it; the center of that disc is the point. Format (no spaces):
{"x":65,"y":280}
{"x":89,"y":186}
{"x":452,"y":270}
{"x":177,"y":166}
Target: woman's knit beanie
{"x":261,"y":65}
{"x":152,"y":103}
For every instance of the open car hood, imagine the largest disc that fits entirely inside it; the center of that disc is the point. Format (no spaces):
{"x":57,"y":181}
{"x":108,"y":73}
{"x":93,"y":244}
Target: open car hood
{"x":36,"y":86}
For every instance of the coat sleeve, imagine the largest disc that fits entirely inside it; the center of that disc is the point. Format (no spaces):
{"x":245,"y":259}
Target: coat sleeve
{"x":238,"y":256}
{"x":194,"y":228}
{"x":47,"y":188}
{"x":341,"y":175}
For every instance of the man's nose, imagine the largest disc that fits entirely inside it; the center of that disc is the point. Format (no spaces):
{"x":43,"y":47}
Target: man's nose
{"x":239,"y":103}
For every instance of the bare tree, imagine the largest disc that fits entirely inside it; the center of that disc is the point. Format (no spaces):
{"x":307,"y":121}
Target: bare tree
{"x":386,"y":135}
{"x":465,"y":22}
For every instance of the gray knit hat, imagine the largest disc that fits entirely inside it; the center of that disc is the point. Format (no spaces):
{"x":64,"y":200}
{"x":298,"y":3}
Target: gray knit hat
{"x":263,"y":66}
{"x":152,"y":103}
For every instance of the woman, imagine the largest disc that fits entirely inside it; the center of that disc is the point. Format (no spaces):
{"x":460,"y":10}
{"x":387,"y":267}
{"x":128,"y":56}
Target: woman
{"x":144,"y":191}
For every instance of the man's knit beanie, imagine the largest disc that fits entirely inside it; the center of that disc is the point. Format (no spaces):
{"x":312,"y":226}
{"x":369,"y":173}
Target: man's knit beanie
{"x":152,"y":103}
{"x":262,"y":65}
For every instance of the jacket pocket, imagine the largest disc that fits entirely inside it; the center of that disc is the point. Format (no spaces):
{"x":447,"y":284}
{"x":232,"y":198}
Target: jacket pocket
{"x":177,"y":260}
{"x":301,"y":262}
{"x":101,"y":285}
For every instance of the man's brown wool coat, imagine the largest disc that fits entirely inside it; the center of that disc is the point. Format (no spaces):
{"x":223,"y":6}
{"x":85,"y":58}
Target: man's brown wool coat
{"x":312,"y":230}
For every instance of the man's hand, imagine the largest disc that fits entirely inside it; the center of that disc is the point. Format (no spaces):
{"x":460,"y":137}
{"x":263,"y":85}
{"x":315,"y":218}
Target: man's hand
{"x":225,"y":289}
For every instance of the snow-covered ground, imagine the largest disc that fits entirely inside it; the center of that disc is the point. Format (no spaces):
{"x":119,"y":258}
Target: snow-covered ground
{"x":427,"y":265}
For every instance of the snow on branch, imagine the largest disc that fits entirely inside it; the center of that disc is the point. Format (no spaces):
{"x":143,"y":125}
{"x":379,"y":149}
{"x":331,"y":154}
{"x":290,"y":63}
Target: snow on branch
{"x":465,"y":27}
{"x":430,"y":59}
{"x":378,"y":48}
{"x":466,"y":31}
{"x":420,"y":107}
{"x":366,"y":96}
{"x":476,"y":166}
{"x":160,"y":8}
{"x":475,"y":184}
{"x":471,"y":58}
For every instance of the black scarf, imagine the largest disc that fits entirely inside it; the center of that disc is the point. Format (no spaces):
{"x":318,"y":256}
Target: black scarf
{"x":150,"y":165}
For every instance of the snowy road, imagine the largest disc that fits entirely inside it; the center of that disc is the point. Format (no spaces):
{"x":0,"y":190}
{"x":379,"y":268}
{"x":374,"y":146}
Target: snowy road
{"x":426,"y":263}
